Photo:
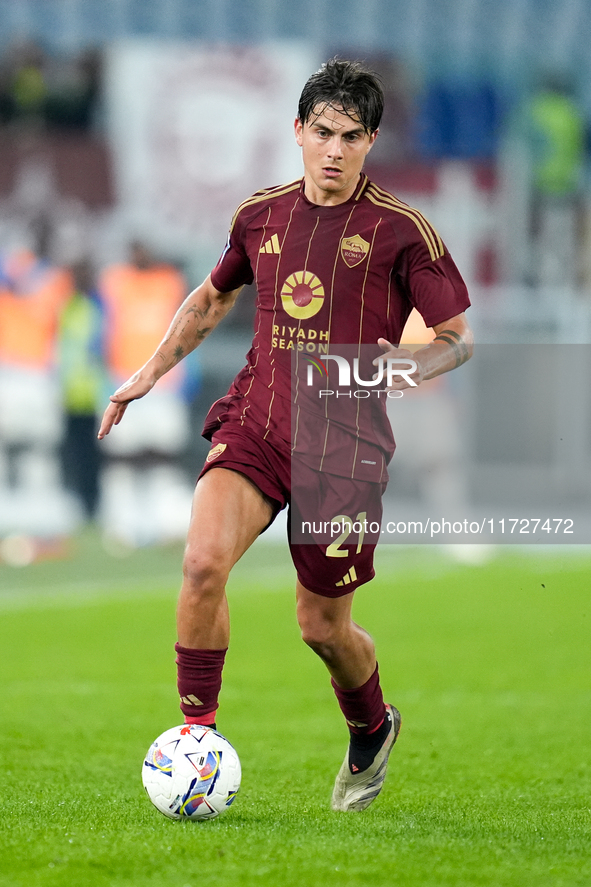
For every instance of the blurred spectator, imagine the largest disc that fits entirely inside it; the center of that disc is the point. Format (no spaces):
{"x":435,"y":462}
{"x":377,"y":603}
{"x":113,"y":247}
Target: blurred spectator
{"x":24,"y":84}
{"x":54,"y":92}
{"x":32,"y":293}
{"x":557,"y":132}
{"x":554,"y":132}
{"x":146,"y":494}
{"x":80,"y":360}
{"x":141,"y":296}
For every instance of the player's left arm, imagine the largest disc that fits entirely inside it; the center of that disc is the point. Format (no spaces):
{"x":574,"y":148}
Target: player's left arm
{"x":452,"y":346}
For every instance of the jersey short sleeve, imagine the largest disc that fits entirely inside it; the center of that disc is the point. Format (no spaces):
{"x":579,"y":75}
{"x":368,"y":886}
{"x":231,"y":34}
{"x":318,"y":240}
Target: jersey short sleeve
{"x":436,"y":288}
{"x":233,"y":269}
{"x":423,"y":274}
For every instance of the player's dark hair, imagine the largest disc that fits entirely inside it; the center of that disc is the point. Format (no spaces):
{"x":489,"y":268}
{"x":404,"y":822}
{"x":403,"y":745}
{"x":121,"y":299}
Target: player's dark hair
{"x":344,"y":85}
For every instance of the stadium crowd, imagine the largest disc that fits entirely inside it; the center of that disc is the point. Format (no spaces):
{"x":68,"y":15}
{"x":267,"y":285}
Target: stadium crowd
{"x":68,"y":334}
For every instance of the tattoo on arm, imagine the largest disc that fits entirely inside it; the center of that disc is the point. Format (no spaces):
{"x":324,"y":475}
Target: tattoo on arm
{"x":187,"y":330}
{"x":178,"y":354}
{"x":459,"y":347}
{"x":198,"y":312}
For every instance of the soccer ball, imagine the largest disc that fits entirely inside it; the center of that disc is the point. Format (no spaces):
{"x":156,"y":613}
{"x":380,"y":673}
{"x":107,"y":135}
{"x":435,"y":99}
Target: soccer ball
{"x":191,"y":772}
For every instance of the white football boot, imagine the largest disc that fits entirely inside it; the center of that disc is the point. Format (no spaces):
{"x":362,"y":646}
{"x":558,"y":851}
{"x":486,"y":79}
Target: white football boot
{"x":356,"y":791}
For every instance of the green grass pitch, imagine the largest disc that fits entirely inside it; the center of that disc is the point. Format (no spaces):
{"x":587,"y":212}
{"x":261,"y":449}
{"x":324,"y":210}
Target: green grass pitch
{"x":488,"y":785}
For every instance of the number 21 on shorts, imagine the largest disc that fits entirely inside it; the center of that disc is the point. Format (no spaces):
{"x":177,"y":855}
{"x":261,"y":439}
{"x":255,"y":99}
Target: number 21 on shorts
{"x":348,"y":526}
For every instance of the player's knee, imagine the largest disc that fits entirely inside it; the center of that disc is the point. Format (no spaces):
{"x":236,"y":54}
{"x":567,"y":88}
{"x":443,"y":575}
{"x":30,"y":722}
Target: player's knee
{"x":204,"y":571}
{"x":319,"y":634}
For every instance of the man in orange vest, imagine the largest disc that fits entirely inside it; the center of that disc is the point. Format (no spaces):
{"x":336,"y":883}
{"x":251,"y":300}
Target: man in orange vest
{"x":140,"y":297}
{"x":32,"y":292}
{"x":146,"y":497}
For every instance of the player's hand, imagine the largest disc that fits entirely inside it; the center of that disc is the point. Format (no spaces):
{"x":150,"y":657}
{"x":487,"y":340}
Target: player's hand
{"x":135,"y":387}
{"x":410,"y":368}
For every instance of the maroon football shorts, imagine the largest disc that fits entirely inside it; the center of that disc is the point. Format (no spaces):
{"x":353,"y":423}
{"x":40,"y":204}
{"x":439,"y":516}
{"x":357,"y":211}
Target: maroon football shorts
{"x":334,"y":522}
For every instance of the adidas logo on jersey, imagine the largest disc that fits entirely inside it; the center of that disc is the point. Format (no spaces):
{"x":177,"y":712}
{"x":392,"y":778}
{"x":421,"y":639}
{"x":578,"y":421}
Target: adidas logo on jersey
{"x":271,"y":246}
{"x":349,"y":577}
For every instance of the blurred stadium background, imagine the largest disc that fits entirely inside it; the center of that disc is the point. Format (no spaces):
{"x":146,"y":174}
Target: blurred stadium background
{"x":129,"y":132}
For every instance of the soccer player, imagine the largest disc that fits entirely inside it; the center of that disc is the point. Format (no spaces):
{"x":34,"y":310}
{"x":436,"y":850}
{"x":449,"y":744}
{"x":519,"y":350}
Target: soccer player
{"x":336,"y":259}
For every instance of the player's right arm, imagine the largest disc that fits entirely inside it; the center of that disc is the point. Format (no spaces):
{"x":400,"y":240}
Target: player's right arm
{"x":199,"y":314}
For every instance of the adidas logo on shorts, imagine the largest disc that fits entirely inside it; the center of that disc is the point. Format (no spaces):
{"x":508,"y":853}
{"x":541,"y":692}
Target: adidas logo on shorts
{"x":349,"y":577}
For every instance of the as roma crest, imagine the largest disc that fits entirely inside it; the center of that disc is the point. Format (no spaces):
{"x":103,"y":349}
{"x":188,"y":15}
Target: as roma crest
{"x":215,"y":452}
{"x":354,"y":250}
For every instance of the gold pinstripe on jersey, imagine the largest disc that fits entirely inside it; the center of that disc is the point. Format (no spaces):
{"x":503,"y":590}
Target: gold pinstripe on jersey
{"x":292,"y":187}
{"x":373,"y":240}
{"x":334,"y":270}
{"x":263,"y":238}
{"x":265,"y":194}
{"x":362,"y":188}
{"x":386,"y":195}
{"x":297,"y":355}
{"x":388,"y":201}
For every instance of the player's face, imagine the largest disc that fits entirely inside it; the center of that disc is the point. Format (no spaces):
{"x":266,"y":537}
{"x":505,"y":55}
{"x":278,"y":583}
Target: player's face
{"x":334,"y":146}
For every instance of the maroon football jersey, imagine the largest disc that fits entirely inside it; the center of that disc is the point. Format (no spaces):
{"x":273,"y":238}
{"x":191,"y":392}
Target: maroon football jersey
{"x":328,"y":276}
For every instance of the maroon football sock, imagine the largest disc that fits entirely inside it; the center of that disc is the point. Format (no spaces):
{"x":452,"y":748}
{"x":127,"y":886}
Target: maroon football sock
{"x":199,"y":679}
{"x":363,"y":707}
